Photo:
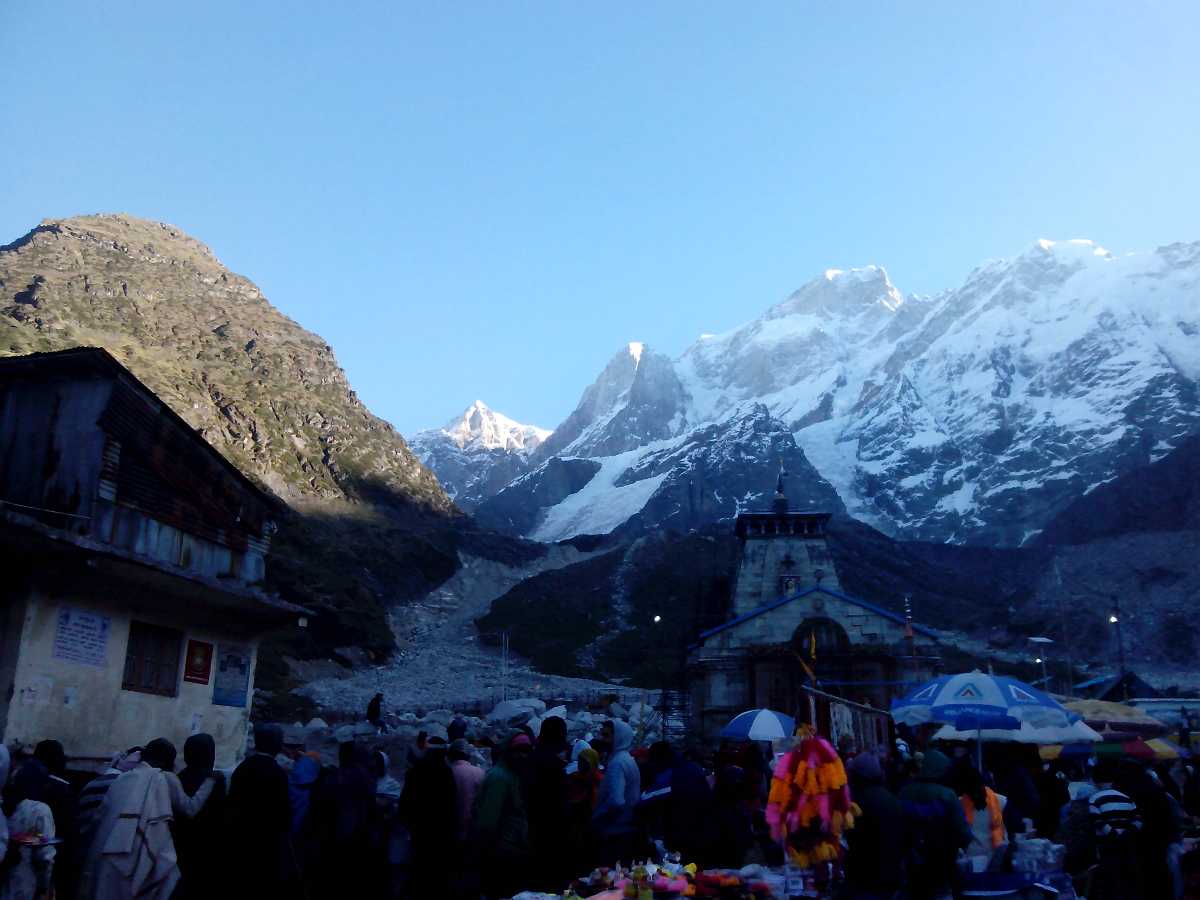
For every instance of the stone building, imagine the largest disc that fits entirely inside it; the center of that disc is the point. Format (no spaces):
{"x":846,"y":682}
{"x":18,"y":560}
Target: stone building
{"x":133,"y":556}
{"x":791,"y":628}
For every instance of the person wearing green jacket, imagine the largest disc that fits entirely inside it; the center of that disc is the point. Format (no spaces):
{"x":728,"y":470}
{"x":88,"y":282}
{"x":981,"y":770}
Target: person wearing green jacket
{"x":502,"y":823}
{"x":937,"y":829}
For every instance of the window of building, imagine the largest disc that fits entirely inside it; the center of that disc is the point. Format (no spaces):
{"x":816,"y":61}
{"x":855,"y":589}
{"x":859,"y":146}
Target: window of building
{"x":152,"y":659}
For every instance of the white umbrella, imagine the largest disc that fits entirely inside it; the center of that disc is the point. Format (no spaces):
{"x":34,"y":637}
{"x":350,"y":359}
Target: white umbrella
{"x":760,"y":725}
{"x":1076,"y":733}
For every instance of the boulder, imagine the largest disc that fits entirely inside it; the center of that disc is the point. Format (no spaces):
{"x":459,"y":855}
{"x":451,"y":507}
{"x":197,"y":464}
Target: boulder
{"x":538,"y":706}
{"x":510,"y":713}
{"x":584,"y":717}
{"x":440,"y":716}
{"x":365,"y":729}
{"x":343,"y":734}
{"x":617,"y":711}
{"x":316,"y":724}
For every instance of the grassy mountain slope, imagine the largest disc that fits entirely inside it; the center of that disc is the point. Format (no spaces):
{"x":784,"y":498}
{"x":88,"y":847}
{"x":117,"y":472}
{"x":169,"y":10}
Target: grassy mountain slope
{"x":369,"y":527}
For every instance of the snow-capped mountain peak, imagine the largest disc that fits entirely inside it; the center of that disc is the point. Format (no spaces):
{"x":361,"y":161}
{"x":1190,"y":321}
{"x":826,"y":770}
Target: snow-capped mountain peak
{"x":973,"y":415}
{"x":839,"y":293}
{"x":477,"y":452}
{"x":1078,"y":247}
{"x":483,"y":427}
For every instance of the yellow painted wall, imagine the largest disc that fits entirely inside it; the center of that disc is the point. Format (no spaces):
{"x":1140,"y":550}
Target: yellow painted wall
{"x":84,"y":706}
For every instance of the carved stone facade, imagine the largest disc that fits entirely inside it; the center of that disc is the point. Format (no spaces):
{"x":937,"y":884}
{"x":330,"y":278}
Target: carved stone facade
{"x":790,"y":621}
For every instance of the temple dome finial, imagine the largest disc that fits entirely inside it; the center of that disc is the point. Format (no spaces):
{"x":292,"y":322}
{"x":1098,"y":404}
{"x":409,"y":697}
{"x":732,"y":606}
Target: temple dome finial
{"x":781,"y":503}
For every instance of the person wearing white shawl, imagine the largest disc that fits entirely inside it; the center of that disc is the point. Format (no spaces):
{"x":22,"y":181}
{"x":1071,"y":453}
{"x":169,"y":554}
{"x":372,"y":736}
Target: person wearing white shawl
{"x":133,"y":854}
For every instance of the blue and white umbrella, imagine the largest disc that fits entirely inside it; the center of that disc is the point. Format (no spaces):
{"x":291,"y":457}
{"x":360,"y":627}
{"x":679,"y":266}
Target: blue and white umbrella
{"x":975,"y":701}
{"x":760,"y":725}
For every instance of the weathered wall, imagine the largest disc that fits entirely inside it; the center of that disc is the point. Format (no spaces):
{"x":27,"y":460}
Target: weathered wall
{"x":764,"y":563}
{"x":12,"y":618}
{"x":51,"y":445}
{"x":131,"y":529}
{"x":84,"y":706}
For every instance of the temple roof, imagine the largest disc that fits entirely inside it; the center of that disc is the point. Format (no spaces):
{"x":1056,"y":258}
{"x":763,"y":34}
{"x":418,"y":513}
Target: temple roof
{"x":766,"y":608}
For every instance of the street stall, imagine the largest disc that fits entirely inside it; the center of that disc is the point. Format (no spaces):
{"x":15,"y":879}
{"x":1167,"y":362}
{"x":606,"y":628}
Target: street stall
{"x":809,"y":808}
{"x":654,"y":881}
{"x":1116,"y":721}
{"x":979,"y":708}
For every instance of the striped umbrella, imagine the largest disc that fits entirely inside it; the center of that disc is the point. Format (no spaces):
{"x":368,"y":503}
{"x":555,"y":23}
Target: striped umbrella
{"x":760,"y":725}
{"x":977,"y":701}
{"x":980,"y":702}
{"x":1156,"y":749}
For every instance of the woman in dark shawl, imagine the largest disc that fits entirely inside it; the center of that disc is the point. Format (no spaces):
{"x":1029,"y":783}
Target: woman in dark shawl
{"x":197,"y":841}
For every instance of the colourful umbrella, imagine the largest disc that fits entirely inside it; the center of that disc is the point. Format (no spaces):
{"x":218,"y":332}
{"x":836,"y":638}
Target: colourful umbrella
{"x":1166,"y":749}
{"x":980,"y":702}
{"x":977,"y":701}
{"x":1116,"y":721}
{"x":760,"y":725}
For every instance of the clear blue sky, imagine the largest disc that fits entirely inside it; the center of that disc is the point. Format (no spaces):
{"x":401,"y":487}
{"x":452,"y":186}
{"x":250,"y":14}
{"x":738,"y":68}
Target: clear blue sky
{"x":489,"y":199}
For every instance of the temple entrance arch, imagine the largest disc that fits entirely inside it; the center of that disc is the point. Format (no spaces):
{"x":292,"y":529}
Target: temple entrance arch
{"x":820,"y":637}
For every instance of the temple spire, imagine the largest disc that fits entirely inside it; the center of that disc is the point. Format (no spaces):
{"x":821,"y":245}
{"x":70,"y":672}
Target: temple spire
{"x":780,"y":504}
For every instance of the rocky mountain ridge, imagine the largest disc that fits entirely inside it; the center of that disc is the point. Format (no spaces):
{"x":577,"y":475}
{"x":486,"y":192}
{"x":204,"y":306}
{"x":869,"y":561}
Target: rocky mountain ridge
{"x":260,"y":388}
{"x":973,"y":416}
{"x":706,"y":475}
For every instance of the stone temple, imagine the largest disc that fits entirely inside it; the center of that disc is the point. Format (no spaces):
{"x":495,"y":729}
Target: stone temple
{"x":796,"y":643}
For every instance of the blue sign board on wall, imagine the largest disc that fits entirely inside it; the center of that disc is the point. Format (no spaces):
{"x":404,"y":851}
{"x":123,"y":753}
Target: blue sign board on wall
{"x":232,"y":680}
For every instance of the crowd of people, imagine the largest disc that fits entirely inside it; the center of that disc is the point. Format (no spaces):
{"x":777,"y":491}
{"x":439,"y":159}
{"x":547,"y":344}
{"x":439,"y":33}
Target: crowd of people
{"x":1120,"y":821}
{"x":538,"y":810}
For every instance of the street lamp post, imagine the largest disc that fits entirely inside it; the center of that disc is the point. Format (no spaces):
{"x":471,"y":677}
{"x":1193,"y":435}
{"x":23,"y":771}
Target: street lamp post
{"x":1043,"y":643}
{"x":665,"y":683}
{"x":1045,"y":678}
{"x":1114,"y":618}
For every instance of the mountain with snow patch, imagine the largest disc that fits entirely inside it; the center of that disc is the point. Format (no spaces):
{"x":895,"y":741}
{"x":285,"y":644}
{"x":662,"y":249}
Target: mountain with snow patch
{"x":478,"y":453}
{"x":975,"y":415}
{"x":707,"y":474}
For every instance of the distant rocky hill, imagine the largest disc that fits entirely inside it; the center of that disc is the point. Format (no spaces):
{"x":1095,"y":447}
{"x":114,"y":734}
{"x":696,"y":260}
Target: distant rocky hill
{"x":1132,"y":543}
{"x":266,"y":392}
{"x":371,"y":526}
{"x":1161,"y":497}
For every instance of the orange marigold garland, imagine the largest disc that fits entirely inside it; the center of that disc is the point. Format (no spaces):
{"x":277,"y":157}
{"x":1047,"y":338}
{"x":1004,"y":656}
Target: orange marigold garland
{"x":809,"y":805}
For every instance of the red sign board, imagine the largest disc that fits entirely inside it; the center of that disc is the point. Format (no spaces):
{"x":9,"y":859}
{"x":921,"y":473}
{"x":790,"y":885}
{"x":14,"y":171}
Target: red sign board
{"x":197,"y":667}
